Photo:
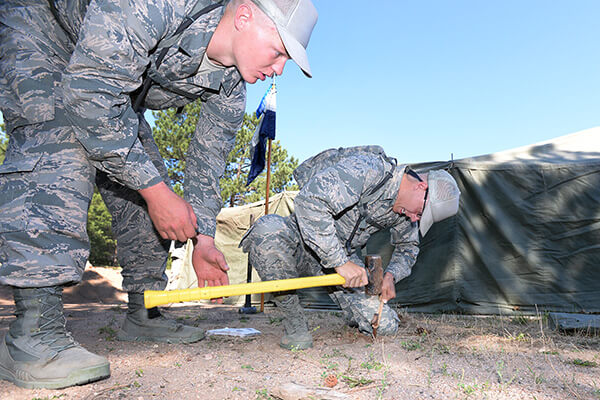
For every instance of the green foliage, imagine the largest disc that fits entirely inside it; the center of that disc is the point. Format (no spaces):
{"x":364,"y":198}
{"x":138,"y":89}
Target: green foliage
{"x":172,"y":133}
{"x":99,"y":227}
{"x":585,"y":363}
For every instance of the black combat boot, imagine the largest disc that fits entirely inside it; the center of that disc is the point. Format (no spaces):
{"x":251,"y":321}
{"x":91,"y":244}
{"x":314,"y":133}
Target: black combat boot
{"x":38,"y":352}
{"x":148,"y":325}
{"x":297,"y":336}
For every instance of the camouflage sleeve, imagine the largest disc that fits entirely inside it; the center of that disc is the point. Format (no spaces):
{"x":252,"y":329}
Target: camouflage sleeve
{"x":325,"y":197}
{"x":110,"y":57}
{"x":220,"y":118}
{"x":405,"y":239}
{"x":357,"y":260}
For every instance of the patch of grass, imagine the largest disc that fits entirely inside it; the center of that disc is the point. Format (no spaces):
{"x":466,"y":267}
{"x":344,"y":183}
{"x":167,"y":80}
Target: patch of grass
{"x":410,"y":345}
{"x":441,"y":348}
{"x":520,"y":319}
{"x":139,"y":372}
{"x":468,"y":389}
{"x":244,"y":319}
{"x":56,"y":396}
{"x":500,"y":374}
{"x":445,"y":369}
{"x":383,"y":386}
{"x":584,"y":363}
{"x":537,"y":378}
{"x":519,"y":337}
{"x":352,"y":381}
{"x":371,"y":363}
{"x":248,"y":367}
{"x":109,"y":333}
{"x":275,"y":320}
{"x":263,"y":394}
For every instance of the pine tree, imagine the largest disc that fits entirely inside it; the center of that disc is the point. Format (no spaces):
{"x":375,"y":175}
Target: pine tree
{"x":172,"y":133}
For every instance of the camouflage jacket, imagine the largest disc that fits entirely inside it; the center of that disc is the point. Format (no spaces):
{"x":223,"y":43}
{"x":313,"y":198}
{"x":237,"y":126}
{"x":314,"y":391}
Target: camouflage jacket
{"x":326,"y":210}
{"x":117,"y":43}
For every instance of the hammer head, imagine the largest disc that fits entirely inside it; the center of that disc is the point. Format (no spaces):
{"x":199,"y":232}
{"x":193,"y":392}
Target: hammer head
{"x":374,"y":266}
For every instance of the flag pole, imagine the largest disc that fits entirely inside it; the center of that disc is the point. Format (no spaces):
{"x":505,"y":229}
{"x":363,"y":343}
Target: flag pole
{"x":262,"y":295}
{"x":268,"y":176}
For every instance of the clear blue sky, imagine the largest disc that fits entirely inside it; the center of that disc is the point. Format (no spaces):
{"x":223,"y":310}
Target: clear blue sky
{"x":428,"y":78}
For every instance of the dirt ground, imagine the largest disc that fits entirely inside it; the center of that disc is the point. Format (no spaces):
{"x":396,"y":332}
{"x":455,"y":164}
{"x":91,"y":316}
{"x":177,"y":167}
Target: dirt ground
{"x":431,"y":357}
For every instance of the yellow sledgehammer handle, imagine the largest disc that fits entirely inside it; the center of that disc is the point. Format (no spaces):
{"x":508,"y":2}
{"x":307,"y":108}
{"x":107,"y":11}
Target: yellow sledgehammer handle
{"x":153,"y":298}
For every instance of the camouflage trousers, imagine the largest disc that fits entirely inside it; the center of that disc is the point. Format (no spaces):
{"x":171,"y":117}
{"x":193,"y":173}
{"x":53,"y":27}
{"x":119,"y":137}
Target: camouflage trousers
{"x":47,"y":181}
{"x":275,"y":249}
{"x":46,"y":185}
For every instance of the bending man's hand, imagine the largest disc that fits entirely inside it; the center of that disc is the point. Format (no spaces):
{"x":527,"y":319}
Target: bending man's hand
{"x":209,"y":264}
{"x":354,"y":275}
{"x":388,"y":288}
{"x":172,"y":216}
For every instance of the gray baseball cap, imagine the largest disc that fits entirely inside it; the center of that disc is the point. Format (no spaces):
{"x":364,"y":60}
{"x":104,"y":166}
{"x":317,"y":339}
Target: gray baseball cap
{"x":295,"y":20}
{"x":442,"y":201}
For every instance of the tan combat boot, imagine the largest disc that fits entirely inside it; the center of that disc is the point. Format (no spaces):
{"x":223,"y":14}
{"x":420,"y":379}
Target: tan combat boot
{"x":297,"y":336}
{"x":38,"y":352}
{"x":148,"y":325}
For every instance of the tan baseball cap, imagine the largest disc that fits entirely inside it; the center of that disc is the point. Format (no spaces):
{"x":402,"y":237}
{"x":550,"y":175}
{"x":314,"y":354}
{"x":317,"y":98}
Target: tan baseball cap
{"x":295,"y":20}
{"x":442,"y":201}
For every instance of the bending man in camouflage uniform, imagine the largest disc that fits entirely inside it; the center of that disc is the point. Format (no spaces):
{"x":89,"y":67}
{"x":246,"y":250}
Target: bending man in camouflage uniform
{"x":318,"y":237}
{"x":70,"y":71}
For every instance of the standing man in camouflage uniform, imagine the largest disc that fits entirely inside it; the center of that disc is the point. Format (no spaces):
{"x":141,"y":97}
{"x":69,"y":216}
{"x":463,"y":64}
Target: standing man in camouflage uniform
{"x":70,"y":71}
{"x":328,"y":226}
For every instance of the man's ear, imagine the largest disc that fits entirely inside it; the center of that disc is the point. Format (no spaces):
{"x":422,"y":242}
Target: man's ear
{"x":421,"y":185}
{"x":243,"y":16}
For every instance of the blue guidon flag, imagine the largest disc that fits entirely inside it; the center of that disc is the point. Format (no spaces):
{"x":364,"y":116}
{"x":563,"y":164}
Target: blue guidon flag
{"x":265,"y":130}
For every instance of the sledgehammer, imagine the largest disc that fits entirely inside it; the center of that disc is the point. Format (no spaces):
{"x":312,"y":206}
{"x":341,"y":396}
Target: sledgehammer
{"x":153,"y":298}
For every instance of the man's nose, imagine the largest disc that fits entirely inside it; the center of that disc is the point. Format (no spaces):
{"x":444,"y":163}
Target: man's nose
{"x":278,"y":67}
{"x":414,"y":217}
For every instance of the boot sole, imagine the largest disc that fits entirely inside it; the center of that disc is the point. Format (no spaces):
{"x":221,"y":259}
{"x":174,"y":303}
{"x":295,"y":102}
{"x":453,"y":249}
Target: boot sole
{"x":125,"y":337}
{"x":79,"y":377}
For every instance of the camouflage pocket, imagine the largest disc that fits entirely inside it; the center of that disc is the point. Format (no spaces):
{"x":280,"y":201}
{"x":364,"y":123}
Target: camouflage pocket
{"x":16,"y":191}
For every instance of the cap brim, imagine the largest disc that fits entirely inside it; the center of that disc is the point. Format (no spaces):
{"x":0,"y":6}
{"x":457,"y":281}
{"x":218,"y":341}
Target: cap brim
{"x":426,"y":219}
{"x":295,"y":49}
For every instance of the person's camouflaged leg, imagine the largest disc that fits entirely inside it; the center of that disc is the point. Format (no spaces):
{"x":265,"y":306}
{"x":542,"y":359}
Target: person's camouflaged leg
{"x":296,"y":336}
{"x":272,"y":246}
{"x":360,"y":308}
{"x":148,"y":325}
{"x":38,"y":352}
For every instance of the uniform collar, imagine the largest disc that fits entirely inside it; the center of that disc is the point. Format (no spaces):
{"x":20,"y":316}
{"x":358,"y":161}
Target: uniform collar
{"x":391,"y":190}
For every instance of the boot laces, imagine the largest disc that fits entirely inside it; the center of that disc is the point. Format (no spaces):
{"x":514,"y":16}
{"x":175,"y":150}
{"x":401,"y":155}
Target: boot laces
{"x":52,"y":328}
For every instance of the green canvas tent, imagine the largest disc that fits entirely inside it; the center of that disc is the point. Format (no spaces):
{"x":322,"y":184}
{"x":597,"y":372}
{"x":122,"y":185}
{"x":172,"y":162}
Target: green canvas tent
{"x":526,"y":237}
